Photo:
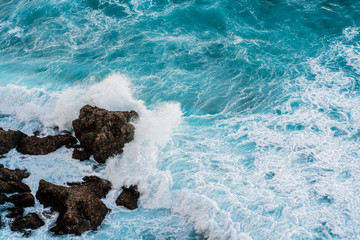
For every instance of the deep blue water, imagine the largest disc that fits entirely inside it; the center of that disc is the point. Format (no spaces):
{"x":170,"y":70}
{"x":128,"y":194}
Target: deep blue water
{"x":249,"y":111}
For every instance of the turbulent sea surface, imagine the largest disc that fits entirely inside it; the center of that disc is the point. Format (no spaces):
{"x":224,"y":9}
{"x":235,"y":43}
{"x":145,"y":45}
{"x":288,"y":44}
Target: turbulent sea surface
{"x":249,"y":111}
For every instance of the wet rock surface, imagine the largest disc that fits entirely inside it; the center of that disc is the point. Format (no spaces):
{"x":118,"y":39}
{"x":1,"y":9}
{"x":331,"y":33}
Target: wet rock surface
{"x":9,"y":139}
{"x":10,"y":180}
{"x":13,"y":187}
{"x":7,"y":174}
{"x":22,"y":199}
{"x":40,"y":146}
{"x":129,"y":197}
{"x":81,"y":154}
{"x":79,"y":206}
{"x":29,"y":222}
{"x":103,"y":133}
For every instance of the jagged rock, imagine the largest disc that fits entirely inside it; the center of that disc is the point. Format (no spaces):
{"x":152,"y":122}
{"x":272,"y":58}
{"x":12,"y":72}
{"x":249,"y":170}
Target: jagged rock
{"x":79,"y":206}
{"x":30,"y":221}
{"x":9,"y":139}
{"x":22,"y":199}
{"x":13,"y":187}
{"x":15,"y":212}
{"x":103,"y":133}
{"x":12,"y":175}
{"x":82,"y":155}
{"x":41,"y":146}
{"x":3,"y":198}
{"x":129,"y":197}
{"x":10,"y":180}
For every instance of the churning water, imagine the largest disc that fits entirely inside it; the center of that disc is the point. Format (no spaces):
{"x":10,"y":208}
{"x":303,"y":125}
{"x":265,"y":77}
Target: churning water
{"x":249,"y":111}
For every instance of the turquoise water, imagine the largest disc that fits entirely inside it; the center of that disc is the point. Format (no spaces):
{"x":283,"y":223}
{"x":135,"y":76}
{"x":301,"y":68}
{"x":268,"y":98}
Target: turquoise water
{"x":249,"y":111}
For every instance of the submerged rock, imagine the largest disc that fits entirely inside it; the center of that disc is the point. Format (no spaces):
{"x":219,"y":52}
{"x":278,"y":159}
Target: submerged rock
{"x":9,"y":139}
{"x":79,"y":206}
{"x":103,"y":133}
{"x":30,"y":221}
{"x":22,"y":199}
{"x":129,"y":197}
{"x":41,"y":146}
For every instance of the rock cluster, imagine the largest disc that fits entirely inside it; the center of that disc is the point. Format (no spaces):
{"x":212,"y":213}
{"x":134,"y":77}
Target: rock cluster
{"x":103,"y":133}
{"x":11,"y":182}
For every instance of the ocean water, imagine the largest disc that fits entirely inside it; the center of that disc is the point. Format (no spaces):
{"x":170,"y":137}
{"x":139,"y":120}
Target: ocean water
{"x":249,"y":111}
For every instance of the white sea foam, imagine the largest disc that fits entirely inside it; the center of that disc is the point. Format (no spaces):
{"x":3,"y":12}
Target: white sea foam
{"x":290,"y":173}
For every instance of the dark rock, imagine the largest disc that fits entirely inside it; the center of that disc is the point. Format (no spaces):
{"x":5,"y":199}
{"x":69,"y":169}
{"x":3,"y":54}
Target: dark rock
{"x":12,"y":175}
{"x":13,"y":186}
{"x":129,"y":197}
{"x":41,"y":146}
{"x":103,"y":133}
{"x":9,"y":139}
{"x":82,"y":155}
{"x":30,"y":221}
{"x":1,"y":157}
{"x":71,"y":145}
{"x":15,"y":212}
{"x":22,"y":199}
{"x":79,"y":206}
{"x":36,"y":133}
{"x":3,"y":198}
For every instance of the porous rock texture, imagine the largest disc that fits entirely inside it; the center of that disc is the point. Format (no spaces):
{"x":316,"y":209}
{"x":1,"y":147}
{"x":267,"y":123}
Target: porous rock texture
{"x":9,"y":139}
{"x":129,"y":197}
{"x":22,"y":199}
{"x":30,"y":221}
{"x":40,"y":146}
{"x":79,"y":206}
{"x":103,"y":133}
{"x":10,"y":180}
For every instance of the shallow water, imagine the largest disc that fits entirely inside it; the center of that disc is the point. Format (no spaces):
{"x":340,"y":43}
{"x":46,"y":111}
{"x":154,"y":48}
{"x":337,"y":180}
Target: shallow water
{"x":249,"y":111}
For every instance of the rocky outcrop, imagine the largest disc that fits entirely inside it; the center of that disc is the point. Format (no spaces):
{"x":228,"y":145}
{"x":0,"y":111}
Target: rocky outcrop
{"x":10,"y":180}
{"x":129,"y":197}
{"x":22,"y":199}
{"x":103,"y":133}
{"x":12,"y":175}
{"x":9,"y":139}
{"x":30,"y":221}
{"x":13,"y":187}
{"x":40,"y":146}
{"x":79,"y":206}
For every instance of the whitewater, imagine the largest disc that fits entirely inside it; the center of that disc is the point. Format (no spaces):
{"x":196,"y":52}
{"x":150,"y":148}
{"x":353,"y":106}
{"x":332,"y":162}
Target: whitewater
{"x":249,"y":122}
